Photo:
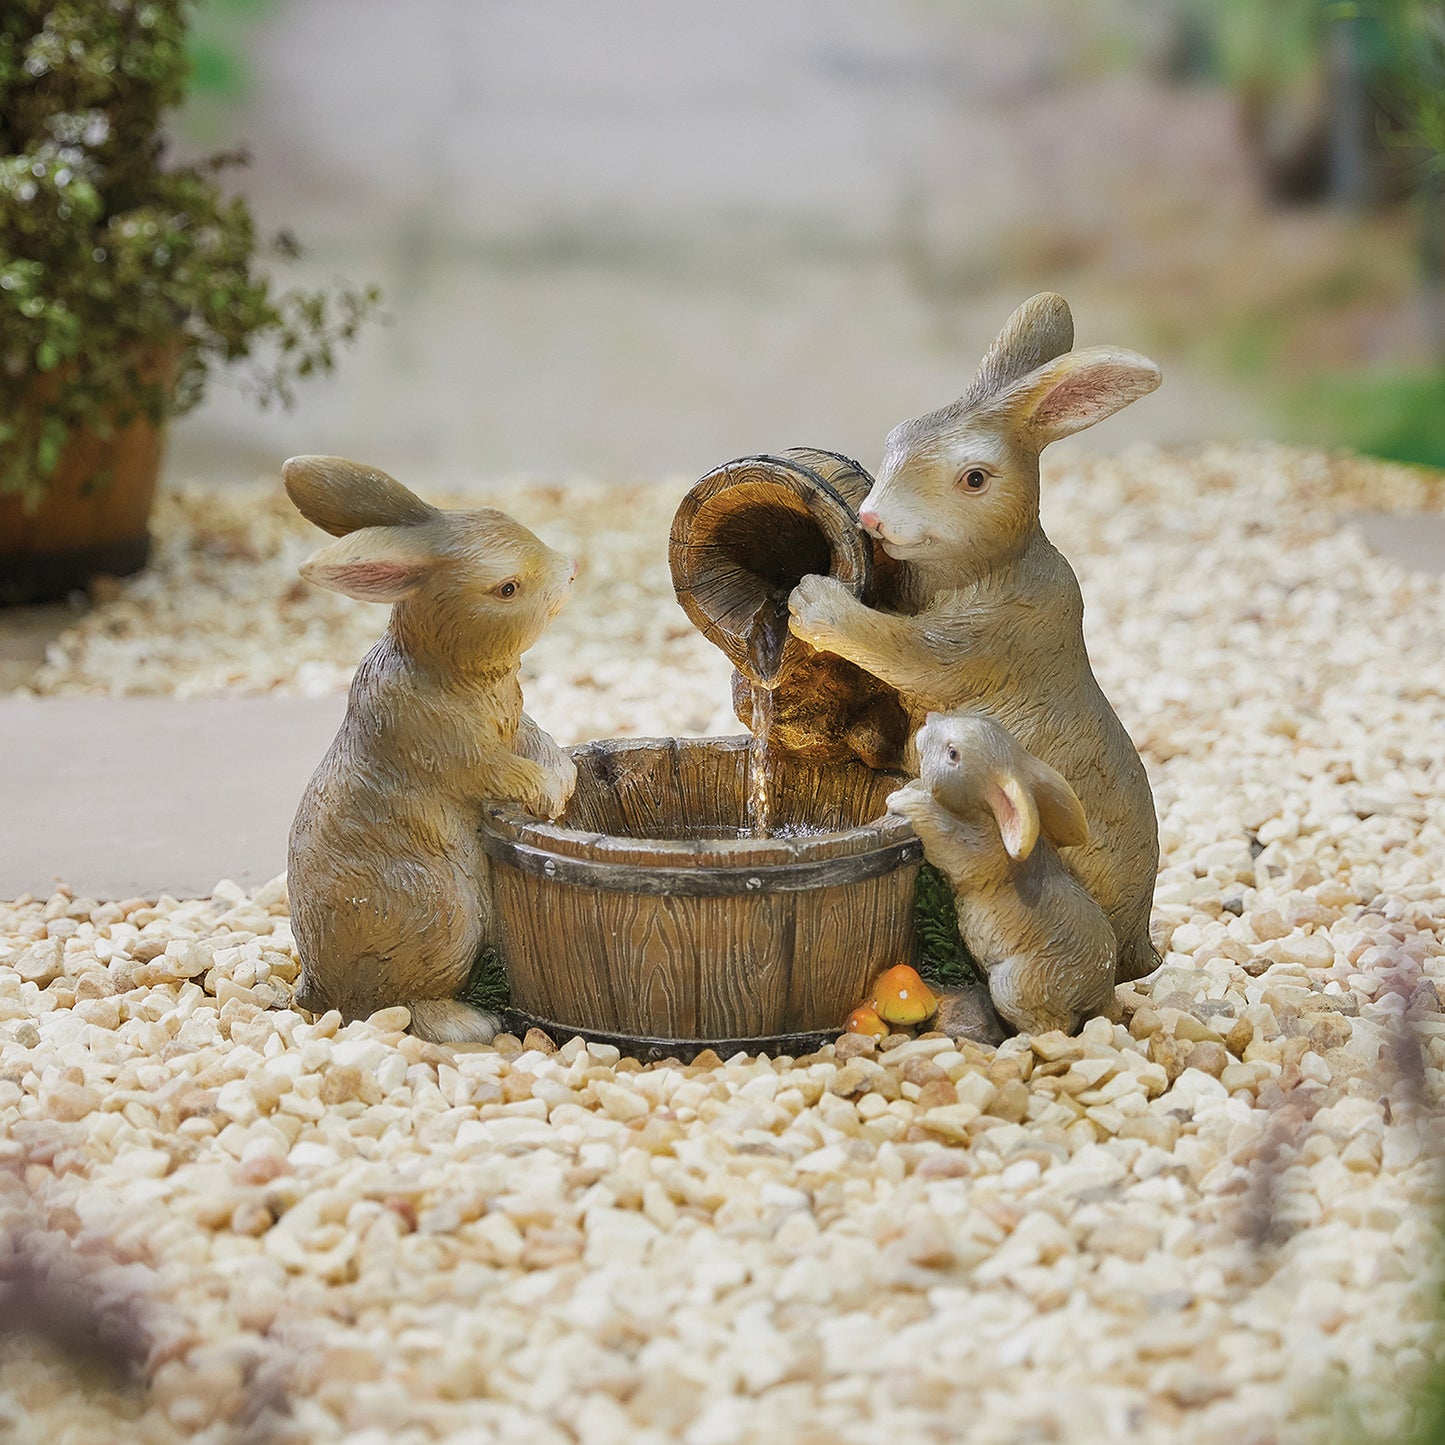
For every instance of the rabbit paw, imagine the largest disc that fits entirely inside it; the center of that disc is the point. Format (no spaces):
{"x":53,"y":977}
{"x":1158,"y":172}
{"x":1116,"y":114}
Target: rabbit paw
{"x":557,"y":790}
{"x":909,"y":800}
{"x":819,"y":607}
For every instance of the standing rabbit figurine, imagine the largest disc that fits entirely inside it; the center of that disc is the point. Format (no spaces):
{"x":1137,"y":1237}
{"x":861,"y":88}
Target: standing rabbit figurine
{"x":390,"y":892}
{"x":989,"y":614}
{"x":991,"y":817}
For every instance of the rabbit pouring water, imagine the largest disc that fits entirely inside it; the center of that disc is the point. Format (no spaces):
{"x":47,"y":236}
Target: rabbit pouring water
{"x":390,"y":892}
{"x":988,"y":614}
{"x":992,"y":817}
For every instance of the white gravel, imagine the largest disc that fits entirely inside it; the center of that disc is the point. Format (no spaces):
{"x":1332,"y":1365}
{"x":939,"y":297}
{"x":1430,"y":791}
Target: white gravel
{"x":1213,"y":1221}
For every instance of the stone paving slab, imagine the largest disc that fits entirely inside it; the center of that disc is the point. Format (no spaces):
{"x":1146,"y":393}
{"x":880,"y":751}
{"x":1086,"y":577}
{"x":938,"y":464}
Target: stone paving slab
{"x":1414,"y":539}
{"x":134,"y":797}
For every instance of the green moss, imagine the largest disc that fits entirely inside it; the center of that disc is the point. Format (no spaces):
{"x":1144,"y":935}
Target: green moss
{"x":487,"y":988}
{"x":942,"y":958}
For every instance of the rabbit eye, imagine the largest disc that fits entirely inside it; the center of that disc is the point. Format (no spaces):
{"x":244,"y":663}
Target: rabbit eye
{"x":507,"y":590}
{"x":975,"y":479}
{"x":952,"y":754}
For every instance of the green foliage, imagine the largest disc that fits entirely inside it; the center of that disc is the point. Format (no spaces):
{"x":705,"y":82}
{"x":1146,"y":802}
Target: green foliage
{"x":1400,"y":417}
{"x":124,"y":280}
{"x":1264,"y":45}
{"x":218,"y":45}
{"x":1411,"y":80}
{"x":943,"y":959}
{"x":487,"y":987}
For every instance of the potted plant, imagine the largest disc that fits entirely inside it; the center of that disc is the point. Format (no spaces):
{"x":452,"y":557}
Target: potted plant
{"x":124,"y":280}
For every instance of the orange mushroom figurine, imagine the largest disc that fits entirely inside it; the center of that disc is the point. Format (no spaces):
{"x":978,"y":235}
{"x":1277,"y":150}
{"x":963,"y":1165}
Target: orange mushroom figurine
{"x":864,"y":1021}
{"x":902,"y":998}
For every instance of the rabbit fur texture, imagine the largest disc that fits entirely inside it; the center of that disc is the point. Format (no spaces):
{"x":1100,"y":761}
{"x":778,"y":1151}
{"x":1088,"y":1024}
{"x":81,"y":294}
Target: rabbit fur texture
{"x":992,"y":818}
{"x":988,"y":615}
{"x":390,"y":889}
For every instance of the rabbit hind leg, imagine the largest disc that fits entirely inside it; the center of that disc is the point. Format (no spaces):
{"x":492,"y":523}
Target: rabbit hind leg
{"x":1017,"y":994}
{"x":450,"y":1021}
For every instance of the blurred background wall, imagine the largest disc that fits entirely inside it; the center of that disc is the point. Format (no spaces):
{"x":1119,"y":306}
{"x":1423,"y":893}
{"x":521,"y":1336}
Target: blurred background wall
{"x":637,"y":238}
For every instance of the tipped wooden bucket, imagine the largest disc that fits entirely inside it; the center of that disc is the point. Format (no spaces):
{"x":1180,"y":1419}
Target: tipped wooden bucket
{"x":644,"y":918}
{"x":742,"y":539}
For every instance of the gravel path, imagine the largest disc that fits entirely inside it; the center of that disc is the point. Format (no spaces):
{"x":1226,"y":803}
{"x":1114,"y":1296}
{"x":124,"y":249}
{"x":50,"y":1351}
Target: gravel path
{"x":1211,"y":1221}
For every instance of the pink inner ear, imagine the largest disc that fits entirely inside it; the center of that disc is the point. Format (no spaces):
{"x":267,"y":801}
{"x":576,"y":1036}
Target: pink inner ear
{"x":371,"y":581}
{"x":1010,"y":821}
{"x":1082,"y":396}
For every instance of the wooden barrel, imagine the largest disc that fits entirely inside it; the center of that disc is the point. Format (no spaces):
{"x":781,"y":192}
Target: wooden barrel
{"x":644,"y":917}
{"x":742,"y":539}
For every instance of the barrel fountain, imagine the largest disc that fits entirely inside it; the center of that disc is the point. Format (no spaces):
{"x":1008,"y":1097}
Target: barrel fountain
{"x":727,"y":893}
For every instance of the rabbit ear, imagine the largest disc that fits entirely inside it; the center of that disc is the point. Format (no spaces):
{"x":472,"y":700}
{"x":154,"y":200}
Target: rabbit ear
{"x":376,"y":564}
{"x":1013,"y":809}
{"x":1061,"y":814}
{"x":1041,"y":329}
{"x":341,"y":496}
{"x":1077,"y":389}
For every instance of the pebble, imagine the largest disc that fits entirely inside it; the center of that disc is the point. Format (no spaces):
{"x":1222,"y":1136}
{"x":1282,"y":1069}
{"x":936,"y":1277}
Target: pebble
{"x":1212,"y":1058}
{"x":951,"y":1121}
{"x":621,"y":1103}
{"x":41,"y":963}
{"x":1312,"y":950}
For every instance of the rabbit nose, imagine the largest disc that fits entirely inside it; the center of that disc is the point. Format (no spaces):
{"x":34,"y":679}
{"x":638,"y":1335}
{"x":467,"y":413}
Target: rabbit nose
{"x":869,"y":521}
{"x":571,"y":569}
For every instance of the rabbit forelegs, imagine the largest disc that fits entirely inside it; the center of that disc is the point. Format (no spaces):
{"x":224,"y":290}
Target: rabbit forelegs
{"x":918,"y":655}
{"x":540,"y":790}
{"x":533,"y":743}
{"x":938,"y":830}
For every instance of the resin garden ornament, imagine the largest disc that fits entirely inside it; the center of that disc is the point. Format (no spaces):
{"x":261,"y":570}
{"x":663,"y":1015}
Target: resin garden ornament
{"x":668,"y":894}
{"x":985,"y":613}
{"x":390,"y":887}
{"x":992,"y":818}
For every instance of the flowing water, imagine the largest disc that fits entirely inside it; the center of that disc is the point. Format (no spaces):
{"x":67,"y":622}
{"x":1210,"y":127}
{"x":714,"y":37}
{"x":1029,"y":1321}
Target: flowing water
{"x":766,"y":640}
{"x":760,"y":763}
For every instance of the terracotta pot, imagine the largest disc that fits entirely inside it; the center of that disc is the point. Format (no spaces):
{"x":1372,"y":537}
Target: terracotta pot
{"x":92,"y":520}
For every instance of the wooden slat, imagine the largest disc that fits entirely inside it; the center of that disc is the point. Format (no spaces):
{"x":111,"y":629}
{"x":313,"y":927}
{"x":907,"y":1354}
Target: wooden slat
{"x":846,"y":937}
{"x":743,"y":980}
{"x":653,"y":949}
{"x":557,"y":951}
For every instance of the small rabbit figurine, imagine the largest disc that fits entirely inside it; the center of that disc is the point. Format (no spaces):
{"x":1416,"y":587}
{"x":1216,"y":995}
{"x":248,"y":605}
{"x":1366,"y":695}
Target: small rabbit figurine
{"x":390,"y":892}
{"x":987,"y":614}
{"x":991,"y":817}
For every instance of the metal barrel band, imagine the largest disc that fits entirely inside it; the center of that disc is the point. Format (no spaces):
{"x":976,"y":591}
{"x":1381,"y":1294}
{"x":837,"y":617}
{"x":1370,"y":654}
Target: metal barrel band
{"x":653,"y":1050}
{"x":705,"y":882}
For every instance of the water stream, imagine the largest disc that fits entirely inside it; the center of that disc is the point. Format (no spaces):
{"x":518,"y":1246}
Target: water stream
{"x":766,"y":640}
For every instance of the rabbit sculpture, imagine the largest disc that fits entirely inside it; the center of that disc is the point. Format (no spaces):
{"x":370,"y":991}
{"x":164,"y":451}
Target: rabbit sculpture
{"x":992,"y":817}
{"x":390,"y":893}
{"x":987,"y":614}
